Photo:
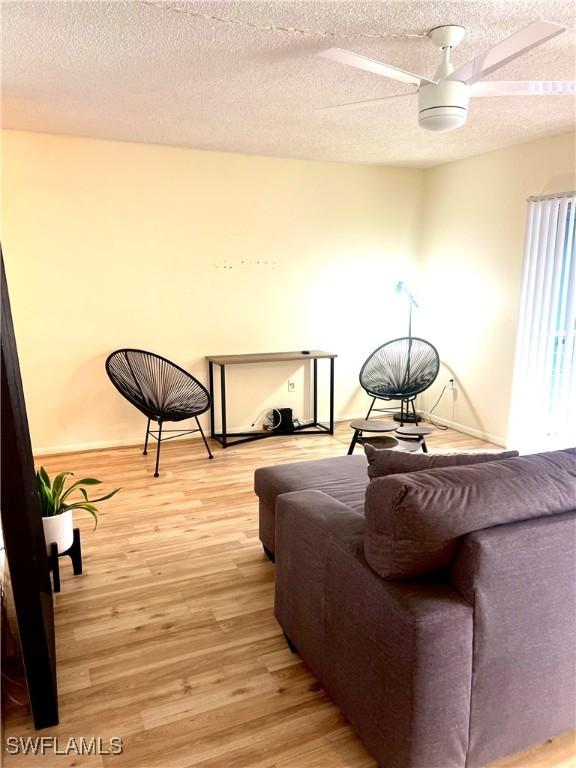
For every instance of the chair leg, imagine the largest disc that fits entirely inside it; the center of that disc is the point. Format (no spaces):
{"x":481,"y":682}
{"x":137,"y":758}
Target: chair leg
{"x":414,"y":412}
{"x":203,"y":438}
{"x":145,"y":451}
{"x":370,"y":409}
{"x":156,"y":473}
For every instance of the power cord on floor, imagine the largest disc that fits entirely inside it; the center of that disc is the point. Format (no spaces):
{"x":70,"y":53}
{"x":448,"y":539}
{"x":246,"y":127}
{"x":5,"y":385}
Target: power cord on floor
{"x":430,"y":420}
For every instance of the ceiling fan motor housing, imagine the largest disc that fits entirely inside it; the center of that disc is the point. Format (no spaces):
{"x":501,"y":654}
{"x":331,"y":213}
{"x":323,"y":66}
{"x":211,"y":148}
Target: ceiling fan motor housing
{"x":443,"y":106}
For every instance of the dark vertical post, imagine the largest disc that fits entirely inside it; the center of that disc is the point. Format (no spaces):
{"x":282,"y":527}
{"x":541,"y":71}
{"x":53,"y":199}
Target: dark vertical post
{"x":331,"y":395}
{"x":75,"y":553}
{"x":315,"y":390}
{"x":211,"y":384}
{"x":370,"y":409}
{"x":23,"y":535}
{"x":353,"y":442}
{"x":55,"y":566}
{"x":203,"y":438}
{"x":156,"y":473}
{"x":145,"y":451}
{"x":223,"y":403}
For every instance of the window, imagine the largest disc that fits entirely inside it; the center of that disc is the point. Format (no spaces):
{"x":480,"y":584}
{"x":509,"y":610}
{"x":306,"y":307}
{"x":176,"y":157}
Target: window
{"x":543,"y":412}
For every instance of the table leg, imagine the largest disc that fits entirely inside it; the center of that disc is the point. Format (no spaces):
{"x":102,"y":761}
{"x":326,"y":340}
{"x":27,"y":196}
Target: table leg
{"x":331,"y":395}
{"x":53,"y":560}
{"x":211,"y":380}
{"x":370,"y":409}
{"x":315,"y":390}
{"x":223,"y":403}
{"x":355,"y":437}
{"x":75,"y":553}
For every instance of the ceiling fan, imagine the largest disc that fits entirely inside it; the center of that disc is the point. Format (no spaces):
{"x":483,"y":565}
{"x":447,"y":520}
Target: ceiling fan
{"x":443,"y":99}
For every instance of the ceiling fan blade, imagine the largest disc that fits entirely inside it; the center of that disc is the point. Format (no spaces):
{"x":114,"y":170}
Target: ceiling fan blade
{"x":371,"y":65}
{"x":524,"y":88}
{"x":517,"y":44}
{"x":362,"y":104}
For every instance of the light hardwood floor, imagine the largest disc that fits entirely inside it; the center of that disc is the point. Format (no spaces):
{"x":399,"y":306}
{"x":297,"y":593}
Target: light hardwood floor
{"x":168,"y":639}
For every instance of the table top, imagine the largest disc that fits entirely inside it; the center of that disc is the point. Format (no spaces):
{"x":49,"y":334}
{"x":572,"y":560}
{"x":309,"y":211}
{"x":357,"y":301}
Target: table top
{"x":380,"y":442}
{"x":415,"y":431}
{"x":268,"y":357}
{"x":374,"y":425}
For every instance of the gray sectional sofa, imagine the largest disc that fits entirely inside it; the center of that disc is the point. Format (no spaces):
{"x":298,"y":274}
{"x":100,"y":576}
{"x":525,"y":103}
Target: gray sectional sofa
{"x":437,"y":606}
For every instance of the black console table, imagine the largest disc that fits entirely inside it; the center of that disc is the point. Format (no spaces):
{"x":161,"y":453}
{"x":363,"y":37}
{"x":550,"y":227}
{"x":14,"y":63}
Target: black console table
{"x":313,"y":427}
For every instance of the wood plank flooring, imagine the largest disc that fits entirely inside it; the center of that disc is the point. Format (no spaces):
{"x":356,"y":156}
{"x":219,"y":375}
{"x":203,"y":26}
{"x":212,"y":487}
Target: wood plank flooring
{"x":168,"y":639}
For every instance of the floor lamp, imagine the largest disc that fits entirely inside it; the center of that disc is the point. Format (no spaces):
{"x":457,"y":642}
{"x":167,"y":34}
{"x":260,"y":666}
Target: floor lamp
{"x":401,"y":288}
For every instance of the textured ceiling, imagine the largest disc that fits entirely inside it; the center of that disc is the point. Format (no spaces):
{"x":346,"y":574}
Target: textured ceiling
{"x":137,"y":72}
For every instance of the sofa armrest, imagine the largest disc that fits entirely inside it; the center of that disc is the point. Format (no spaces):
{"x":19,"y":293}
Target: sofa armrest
{"x":317,"y":514}
{"x":306,"y":522}
{"x":395,"y":656}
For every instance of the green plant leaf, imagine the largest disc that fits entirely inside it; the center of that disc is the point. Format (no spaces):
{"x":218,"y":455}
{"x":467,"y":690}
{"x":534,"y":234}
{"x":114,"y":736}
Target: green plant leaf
{"x":84,"y":481}
{"x":57,"y":488}
{"x":102,"y":498}
{"x":53,"y":495}
{"x":88,"y":507}
{"x":44,"y":475}
{"x":45,"y":496}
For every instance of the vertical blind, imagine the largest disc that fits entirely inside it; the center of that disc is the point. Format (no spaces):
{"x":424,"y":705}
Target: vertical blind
{"x":543,"y":412}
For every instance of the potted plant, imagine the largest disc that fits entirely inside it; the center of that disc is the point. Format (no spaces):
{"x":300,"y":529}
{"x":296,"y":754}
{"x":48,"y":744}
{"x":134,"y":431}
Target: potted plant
{"x":57,"y":508}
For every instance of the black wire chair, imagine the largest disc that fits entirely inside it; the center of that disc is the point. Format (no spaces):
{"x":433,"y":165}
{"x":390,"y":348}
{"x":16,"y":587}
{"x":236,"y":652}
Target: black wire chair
{"x":400,"y":370}
{"x":161,"y":390}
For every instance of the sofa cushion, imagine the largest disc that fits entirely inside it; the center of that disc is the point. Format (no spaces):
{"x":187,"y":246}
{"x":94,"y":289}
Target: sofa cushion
{"x":383,"y":462}
{"x":343,"y":478}
{"x":413,"y":521}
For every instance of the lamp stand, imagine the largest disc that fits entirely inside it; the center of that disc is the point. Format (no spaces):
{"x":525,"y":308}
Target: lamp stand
{"x":407,"y":416}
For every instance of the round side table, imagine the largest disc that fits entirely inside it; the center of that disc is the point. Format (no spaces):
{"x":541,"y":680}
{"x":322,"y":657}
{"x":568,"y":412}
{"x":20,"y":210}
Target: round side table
{"x":415,"y":436}
{"x":378,"y":426}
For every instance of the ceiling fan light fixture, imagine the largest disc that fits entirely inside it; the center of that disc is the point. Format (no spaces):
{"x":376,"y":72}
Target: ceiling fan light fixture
{"x":443,"y":106}
{"x":443,"y":119}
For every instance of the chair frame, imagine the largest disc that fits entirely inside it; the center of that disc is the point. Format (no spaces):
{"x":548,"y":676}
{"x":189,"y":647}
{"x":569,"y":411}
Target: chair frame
{"x":157,"y":434}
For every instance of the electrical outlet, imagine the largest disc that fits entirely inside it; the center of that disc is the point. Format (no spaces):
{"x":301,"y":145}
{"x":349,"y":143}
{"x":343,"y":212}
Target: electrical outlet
{"x":451,"y":384}
{"x":291,"y":386}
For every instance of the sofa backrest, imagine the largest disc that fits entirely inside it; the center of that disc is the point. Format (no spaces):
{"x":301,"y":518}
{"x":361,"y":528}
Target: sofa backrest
{"x":414,"y":521}
{"x":520,"y":580}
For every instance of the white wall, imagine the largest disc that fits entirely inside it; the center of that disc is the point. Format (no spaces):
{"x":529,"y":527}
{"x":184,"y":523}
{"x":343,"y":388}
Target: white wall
{"x":189,"y":253}
{"x":472,"y":243}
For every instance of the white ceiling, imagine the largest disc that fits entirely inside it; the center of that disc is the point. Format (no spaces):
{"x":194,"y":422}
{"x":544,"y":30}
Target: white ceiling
{"x":137,"y":72}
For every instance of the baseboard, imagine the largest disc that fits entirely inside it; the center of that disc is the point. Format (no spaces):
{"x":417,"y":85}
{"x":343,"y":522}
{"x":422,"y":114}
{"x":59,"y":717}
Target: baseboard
{"x":465,"y":429}
{"x":137,"y":442}
{"x":133,"y":442}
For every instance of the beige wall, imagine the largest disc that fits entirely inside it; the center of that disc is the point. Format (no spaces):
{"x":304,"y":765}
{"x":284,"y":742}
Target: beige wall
{"x":188,"y":253}
{"x":471,"y":262}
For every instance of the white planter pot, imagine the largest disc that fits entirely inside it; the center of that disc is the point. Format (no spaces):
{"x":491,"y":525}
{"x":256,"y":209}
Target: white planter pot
{"x":59,"y":530}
